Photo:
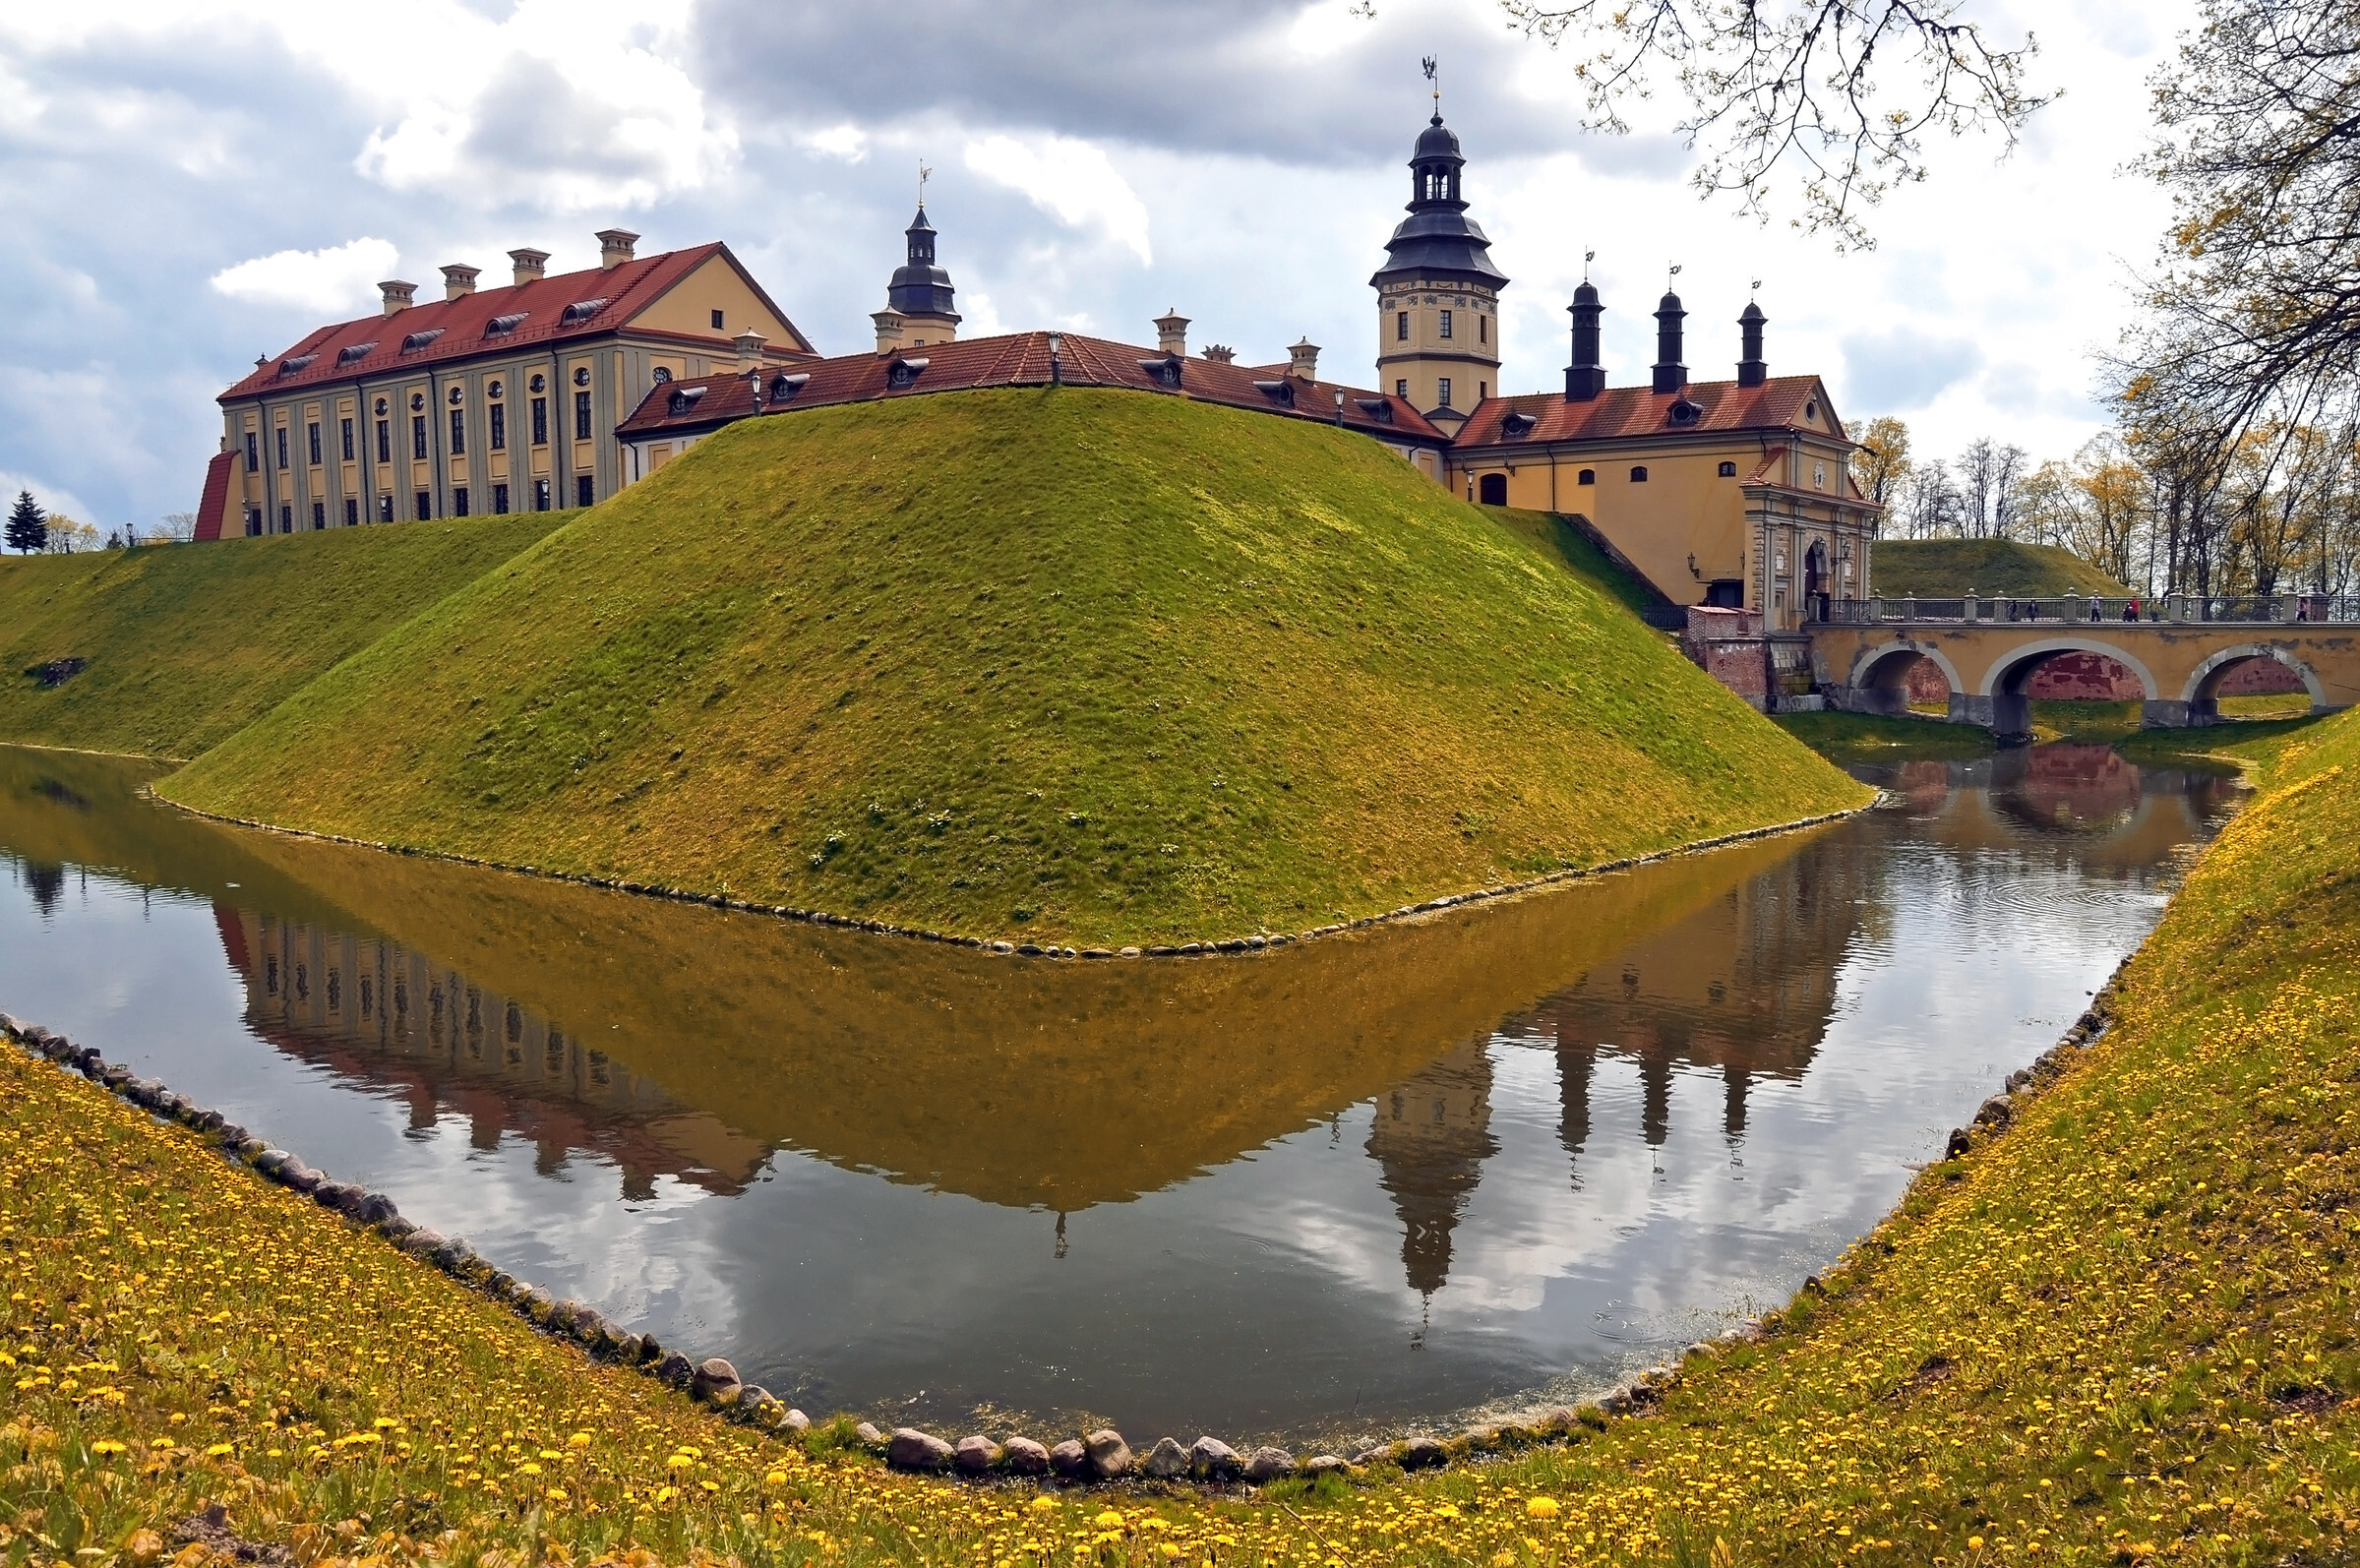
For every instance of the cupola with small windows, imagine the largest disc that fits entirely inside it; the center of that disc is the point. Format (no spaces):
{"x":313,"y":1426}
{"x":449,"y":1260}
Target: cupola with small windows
{"x":1438,"y":292}
{"x":921,"y":305}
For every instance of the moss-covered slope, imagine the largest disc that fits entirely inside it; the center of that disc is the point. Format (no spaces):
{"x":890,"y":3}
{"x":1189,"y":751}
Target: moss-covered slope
{"x":1946,"y":569}
{"x":1092,"y":667}
{"x":181,"y":645}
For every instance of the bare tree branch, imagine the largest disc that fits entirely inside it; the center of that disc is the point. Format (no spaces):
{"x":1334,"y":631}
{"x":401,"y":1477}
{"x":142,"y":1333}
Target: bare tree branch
{"x":1838,"y":96}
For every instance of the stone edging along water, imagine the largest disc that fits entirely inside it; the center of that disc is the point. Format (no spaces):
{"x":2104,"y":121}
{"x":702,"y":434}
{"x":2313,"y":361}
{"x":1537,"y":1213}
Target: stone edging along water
{"x":1259,"y":941}
{"x":1099,"y":1456}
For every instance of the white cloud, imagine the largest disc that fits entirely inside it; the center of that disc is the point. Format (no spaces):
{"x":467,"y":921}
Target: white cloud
{"x":846,"y":143}
{"x":52,"y":498}
{"x":1073,"y":180}
{"x":323,"y":280}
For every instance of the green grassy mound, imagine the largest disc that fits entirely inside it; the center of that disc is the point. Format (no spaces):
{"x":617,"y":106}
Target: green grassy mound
{"x":184,"y":645}
{"x":1092,"y":667}
{"x":1946,"y":569}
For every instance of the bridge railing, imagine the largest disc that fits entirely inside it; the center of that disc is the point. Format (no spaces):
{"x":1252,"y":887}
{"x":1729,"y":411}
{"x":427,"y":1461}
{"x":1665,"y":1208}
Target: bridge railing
{"x":2282,"y":609}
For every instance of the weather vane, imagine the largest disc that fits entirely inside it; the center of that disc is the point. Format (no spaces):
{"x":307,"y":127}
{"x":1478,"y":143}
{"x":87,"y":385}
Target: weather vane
{"x":1587,"y":258}
{"x":1675,"y":272}
{"x":1430,"y":75}
{"x":924,"y":174}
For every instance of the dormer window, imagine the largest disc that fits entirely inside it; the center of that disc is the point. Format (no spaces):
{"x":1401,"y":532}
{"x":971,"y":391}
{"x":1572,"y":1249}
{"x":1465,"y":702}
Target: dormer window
{"x":904,"y":372}
{"x":581,"y":310}
{"x":1686,"y":411}
{"x":783,"y":387}
{"x":1278,"y":392}
{"x":417,"y":340}
{"x":288,"y":367}
{"x":353,"y":352}
{"x":502,"y":325}
{"x":684,"y":400}
{"x":1376,"y":408}
{"x":1165,"y":372}
{"x":1518,"y":424}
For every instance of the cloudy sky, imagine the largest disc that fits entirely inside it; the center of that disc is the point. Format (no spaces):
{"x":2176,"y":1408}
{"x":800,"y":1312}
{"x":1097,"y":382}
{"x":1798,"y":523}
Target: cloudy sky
{"x":190,"y":185}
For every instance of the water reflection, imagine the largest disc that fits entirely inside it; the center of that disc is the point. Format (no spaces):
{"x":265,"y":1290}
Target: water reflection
{"x":1352,"y":1183}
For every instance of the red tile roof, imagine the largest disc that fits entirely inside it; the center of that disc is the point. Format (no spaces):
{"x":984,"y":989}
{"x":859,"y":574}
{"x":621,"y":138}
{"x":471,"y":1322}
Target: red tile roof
{"x":1621,"y":413}
{"x":213,"y":510}
{"x":626,"y":289}
{"x":1023,"y":360}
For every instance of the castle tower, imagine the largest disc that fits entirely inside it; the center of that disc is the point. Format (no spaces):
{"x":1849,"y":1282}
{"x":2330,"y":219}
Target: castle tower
{"x":1438,"y":294}
{"x":920,"y":297}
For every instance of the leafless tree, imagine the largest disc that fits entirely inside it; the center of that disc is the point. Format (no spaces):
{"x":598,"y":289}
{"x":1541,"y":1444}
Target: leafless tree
{"x":1838,"y":96}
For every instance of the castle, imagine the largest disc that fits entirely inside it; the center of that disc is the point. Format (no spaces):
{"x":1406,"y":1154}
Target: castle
{"x":558,"y":392}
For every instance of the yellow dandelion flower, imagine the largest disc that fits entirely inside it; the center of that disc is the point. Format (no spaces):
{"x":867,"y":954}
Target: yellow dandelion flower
{"x":1109,"y":1520}
{"x":1045,"y":1504}
{"x":678,"y":1462}
{"x":220,"y":1449}
{"x":1542,"y":1507}
{"x":578,"y":1440}
{"x":107,"y":1445}
{"x":529,"y":1468}
{"x":555,"y":1495}
{"x":777,"y":1477}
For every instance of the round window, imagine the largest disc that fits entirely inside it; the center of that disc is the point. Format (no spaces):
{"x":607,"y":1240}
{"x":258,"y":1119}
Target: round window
{"x":538,"y":383}
{"x":493,"y":391}
{"x":417,"y":400}
{"x":662,"y":375}
{"x":381,"y":405}
{"x":1811,"y":410}
{"x":582,"y":374}
{"x":456,"y":395}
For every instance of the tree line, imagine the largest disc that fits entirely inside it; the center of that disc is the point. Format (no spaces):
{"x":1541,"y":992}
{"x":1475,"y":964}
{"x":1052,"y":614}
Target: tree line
{"x":2269,"y":509}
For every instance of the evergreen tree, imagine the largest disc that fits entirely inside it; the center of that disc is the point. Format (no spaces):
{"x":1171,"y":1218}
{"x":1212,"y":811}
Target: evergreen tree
{"x":28,"y":525}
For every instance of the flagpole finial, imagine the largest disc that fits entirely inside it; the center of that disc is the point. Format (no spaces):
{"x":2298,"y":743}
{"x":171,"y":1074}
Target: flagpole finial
{"x":1587,"y":258}
{"x":924,"y":174}
{"x":1434,"y":75}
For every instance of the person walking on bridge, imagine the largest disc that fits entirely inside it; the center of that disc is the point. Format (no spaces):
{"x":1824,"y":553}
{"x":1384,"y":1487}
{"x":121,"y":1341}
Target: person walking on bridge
{"x":2130,"y":609}
{"x":2097,"y":611}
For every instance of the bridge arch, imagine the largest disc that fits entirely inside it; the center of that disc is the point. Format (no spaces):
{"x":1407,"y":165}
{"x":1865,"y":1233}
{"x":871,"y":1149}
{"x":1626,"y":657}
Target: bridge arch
{"x":2203,"y":695}
{"x":1879,"y":680}
{"x":2002,"y":702}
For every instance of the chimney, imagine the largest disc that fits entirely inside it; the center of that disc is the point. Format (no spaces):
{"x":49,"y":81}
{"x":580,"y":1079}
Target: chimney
{"x":750,"y":349}
{"x":1172,"y":334}
{"x":1220,"y":353}
{"x":1670,"y":374}
{"x":1751,"y":370}
{"x":531,"y":265}
{"x":459,"y":281}
{"x":1585,"y":377}
{"x":1302,"y":360}
{"x":614,"y":246}
{"x":398,"y":294}
{"x":889,"y":331}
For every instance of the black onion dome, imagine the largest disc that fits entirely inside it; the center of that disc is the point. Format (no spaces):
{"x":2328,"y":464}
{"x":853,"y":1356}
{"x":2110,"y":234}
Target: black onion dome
{"x":1439,"y":239}
{"x":1752,"y":313}
{"x":1436,"y":140}
{"x":1585,"y":295}
{"x":919,"y":286}
{"x":1669,"y":302}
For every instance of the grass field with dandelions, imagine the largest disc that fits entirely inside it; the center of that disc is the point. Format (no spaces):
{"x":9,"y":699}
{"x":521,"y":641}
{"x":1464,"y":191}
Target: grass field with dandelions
{"x":2122,"y":1332}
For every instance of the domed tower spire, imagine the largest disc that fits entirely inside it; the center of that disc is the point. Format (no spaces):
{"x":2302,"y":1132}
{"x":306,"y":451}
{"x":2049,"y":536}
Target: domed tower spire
{"x":1439,"y":291}
{"x":919,"y":300}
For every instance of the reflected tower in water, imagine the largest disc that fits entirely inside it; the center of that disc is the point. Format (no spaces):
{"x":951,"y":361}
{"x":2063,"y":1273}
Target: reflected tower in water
{"x":1430,"y":1138}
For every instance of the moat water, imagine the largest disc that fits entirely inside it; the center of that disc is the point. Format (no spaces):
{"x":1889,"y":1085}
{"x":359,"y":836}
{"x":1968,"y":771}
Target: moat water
{"x":1382,"y":1181}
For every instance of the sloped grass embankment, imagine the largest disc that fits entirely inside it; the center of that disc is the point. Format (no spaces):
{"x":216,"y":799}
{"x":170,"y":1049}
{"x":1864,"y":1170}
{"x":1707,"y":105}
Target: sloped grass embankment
{"x":1949,"y":568}
{"x":178,"y":646}
{"x":1059,"y":666}
{"x":2122,"y":1330}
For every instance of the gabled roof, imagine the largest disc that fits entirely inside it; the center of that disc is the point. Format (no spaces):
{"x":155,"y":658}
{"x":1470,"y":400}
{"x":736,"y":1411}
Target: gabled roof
{"x":1020,"y":360}
{"x":462,"y":325}
{"x":1624,"y":414}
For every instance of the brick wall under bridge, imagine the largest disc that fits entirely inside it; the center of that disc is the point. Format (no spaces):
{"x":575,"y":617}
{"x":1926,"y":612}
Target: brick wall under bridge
{"x":2180,"y":668}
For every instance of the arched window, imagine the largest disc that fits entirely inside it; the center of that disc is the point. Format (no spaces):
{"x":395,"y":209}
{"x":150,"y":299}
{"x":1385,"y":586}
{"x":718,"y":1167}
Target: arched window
{"x":1494,"y":490}
{"x":1588,"y":476}
{"x":1638,"y":476}
{"x":1729,"y":470}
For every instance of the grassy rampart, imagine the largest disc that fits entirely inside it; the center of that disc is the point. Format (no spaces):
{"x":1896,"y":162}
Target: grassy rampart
{"x":2122,"y":1330}
{"x":1946,"y":569}
{"x":181,"y":645}
{"x":1074,"y":666}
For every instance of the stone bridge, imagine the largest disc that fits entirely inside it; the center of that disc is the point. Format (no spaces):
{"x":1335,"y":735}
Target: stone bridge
{"x":1862,"y":663}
